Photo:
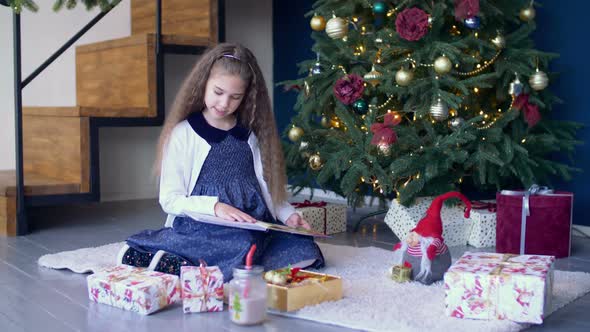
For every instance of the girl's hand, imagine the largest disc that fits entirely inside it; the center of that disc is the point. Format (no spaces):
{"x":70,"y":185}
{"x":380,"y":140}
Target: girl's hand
{"x":295,"y":221}
{"x":228,"y":212}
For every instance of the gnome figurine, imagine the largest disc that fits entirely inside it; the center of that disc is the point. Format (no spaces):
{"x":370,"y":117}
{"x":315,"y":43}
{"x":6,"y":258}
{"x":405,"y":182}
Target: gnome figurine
{"x":424,"y":248}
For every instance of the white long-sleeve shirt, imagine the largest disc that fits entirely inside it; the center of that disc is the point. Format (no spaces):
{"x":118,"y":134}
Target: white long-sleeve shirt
{"x":183,"y":159}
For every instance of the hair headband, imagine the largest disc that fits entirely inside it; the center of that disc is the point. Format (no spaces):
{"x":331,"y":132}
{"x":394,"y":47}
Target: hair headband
{"x":231,"y":56}
{"x":236,"y":58}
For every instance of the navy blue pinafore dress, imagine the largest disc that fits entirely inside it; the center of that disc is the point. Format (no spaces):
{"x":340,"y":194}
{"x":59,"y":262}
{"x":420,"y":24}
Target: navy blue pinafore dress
{"x":228,"y":173}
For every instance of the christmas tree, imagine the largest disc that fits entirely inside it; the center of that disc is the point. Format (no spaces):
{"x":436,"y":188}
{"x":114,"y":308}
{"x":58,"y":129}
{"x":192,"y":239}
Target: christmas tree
{"x":413,"y":98}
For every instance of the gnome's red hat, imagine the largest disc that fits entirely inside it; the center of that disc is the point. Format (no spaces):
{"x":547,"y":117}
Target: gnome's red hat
{"x":431,"y":224}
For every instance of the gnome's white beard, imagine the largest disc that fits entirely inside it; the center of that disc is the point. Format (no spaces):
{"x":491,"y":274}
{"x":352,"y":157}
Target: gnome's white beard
{"x":425,"y":263}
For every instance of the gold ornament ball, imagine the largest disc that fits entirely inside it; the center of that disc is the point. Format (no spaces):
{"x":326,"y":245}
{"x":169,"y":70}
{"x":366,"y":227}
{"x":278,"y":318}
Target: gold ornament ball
{"x":539,"y":80}
{"x":336,"y":28}
{"x":439,"y":110}
{"x":499,"y":41}
{"x":373,"y":77}
{"x":317,"y":23}
{"x":295,"y":134}
{"x":404,"y":77}
{"x":335,"y":122}
{"x":527,"y":14}
{"x":315,"y":162}
{"x":325,"y":122}
{"x":442,"y":65}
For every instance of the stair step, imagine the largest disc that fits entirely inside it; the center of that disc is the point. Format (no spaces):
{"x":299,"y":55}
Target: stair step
{"x":56,"y":152}
{"x":117,"y":78}
{"x":119,"y":74}
{"x":35,"y":184}
{"x":73,"y":111}
{"x":196,"y":18}
{"x":7,"y":215}
{"x":78,"y":111}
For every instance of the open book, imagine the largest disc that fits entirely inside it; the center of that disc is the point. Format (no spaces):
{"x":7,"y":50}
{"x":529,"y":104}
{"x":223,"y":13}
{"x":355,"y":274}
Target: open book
{"x":257,"y":226}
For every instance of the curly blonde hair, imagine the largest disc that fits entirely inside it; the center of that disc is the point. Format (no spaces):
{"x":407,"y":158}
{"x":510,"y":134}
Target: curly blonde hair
{"x":254,"y":113}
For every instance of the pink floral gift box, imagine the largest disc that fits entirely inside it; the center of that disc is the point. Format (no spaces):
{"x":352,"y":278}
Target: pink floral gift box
{"x":500,"y":286}
{"x":202,"y":288}
{"x":133,"y":288}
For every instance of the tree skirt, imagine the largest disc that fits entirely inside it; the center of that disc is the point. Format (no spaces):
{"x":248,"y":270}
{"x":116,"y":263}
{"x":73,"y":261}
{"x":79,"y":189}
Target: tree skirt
{"x":372,"y":301}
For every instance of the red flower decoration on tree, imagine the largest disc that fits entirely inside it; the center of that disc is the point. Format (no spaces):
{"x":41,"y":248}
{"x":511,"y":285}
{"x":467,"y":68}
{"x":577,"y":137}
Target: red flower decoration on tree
{"x":349,"y":88}
{"x":383,"y":133}
{"x":529,"y":111}
{"x":466,"y":9}
{"x":412,"y":24}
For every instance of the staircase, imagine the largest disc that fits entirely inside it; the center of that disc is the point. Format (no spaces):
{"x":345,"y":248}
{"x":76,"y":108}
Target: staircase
{"x":117,"y":84}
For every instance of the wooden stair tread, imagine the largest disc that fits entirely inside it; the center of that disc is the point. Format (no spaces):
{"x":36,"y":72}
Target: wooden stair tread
{"x":83,"y":111}
{"x":73,"y":111}
{"x":36,"y":184}
{"x":143,"y":39}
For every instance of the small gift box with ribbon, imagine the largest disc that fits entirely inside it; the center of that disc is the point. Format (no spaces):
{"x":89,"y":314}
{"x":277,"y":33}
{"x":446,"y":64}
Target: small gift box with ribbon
{"x":325,"y":218}
{"x":402,"y":219}
{"x":401,"y":273}
{"x":133,"y":288}
{"x":202,"y":288}
{"x":500,"y":286}
{"x":536,"y":222}
{"x":483,"y":224}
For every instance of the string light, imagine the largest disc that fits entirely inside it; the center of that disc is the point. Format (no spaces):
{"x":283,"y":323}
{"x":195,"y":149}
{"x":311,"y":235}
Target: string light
{"x":378,"y":107}
{"x":493,"y":121}
{"x":481,"y":68}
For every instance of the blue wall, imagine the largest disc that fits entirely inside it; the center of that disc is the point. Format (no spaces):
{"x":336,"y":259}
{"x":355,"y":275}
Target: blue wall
{"x":561,"y":29}
{"x":292,"y":44}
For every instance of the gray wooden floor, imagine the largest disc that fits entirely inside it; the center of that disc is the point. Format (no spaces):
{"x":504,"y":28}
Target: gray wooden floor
{"x":33,"y":298}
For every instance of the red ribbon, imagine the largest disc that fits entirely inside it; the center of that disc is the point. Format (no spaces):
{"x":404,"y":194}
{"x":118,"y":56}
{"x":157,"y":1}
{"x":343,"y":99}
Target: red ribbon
{"x":322,"y":205}
{"x":529,"y":111}
{"x":308,"y":203}
{"x":478,"y":205}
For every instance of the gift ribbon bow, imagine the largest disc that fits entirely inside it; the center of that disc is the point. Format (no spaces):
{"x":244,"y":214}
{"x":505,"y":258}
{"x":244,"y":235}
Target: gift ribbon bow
{"x":529,"y":111}
{"x":208,"y":290}
{"x":308,"y":203}
{"x":383,"y":133}
{"x":322,"y":204}
{"x":526,"y":207}
{"x":479,"y":205}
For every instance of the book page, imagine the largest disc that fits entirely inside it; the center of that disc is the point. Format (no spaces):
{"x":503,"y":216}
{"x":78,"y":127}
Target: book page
{"x":257,"y":226}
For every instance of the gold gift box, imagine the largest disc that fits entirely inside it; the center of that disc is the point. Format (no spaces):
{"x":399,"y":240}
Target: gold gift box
{"x":285,"y":298}
{"x":400,"y":273}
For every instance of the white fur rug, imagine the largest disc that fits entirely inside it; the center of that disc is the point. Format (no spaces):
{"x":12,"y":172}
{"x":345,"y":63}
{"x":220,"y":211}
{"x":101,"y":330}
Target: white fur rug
{"x":371,"y":300}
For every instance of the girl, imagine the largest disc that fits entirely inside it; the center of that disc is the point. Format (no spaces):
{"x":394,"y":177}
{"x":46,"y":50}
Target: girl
{"x":219,"y":154}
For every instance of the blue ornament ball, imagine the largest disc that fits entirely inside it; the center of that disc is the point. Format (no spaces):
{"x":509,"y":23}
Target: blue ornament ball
{"x":360,"y":107}
{"x":379,"y":7}
{"x":472,"y":22}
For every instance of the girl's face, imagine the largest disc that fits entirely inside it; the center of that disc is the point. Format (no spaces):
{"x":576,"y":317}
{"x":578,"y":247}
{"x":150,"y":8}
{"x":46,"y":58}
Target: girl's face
{"x":223,"y":95}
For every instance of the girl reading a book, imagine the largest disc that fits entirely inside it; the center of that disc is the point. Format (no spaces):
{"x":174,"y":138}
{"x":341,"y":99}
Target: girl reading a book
{"x":219,"y":154}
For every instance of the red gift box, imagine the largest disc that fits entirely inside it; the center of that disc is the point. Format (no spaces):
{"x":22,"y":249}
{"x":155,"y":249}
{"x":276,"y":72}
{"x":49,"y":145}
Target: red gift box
{"x":545,"y":217}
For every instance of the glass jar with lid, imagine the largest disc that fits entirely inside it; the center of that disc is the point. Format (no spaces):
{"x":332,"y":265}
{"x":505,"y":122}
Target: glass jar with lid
{"x":247,"y":295}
